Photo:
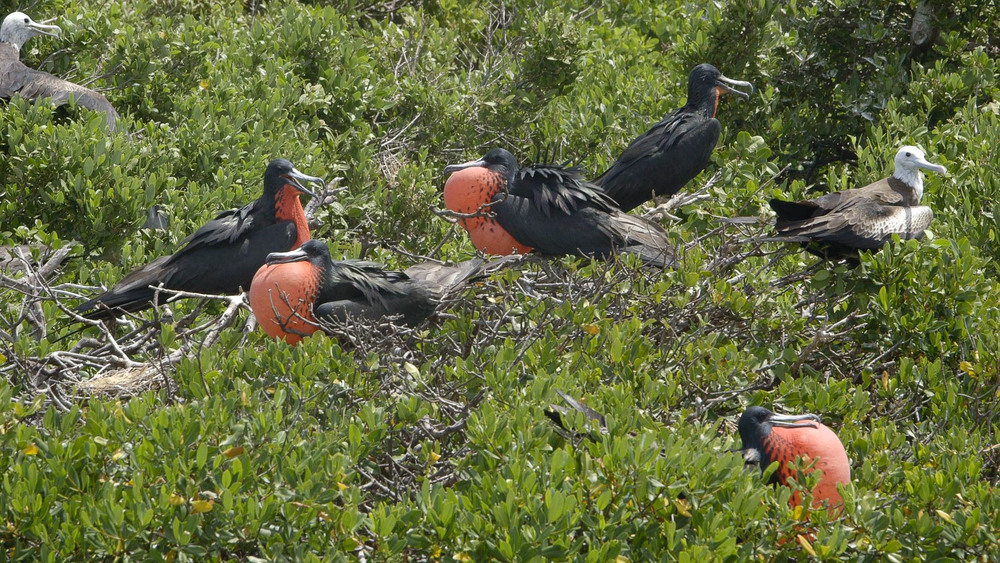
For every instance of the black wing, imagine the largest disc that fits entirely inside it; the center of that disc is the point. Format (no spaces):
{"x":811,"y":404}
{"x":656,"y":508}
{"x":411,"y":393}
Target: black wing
{"x":369,"y":279}
{"x":227,"y":228}
{"x":212,"y":269}
{"x":589,"y":231}
{"x":662,"y":160}
{"x":362,"y":290}
{"x":556,"y":190}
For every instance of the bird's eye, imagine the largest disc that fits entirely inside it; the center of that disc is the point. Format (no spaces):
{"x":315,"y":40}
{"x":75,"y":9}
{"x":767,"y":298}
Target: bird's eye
{"x":26,"y":20}
{"x":907,"y":154}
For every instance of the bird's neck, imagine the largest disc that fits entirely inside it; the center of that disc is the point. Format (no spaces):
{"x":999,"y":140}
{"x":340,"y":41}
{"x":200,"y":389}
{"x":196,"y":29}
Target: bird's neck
{"x":912,"y":178}
{"x":11,"y":44}
{"x":287,"y":207}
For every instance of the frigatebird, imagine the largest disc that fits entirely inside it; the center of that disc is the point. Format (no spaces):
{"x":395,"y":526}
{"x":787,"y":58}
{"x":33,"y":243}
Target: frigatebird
{"x":31,"y":84}
{"x":768,"y":437}
{"x":862,"y":218}
{"x":156,"y":219}
{"x":547,"y":208}
{"x":296,"y":291}
{"x":677,"y":148}
{"x":224,"y":254}
{"x":563,"y":415}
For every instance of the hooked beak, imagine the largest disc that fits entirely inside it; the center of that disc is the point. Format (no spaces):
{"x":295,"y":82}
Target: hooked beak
{"x":295,"y":178}
{"x":793,"y":421}
{"x":926,"y":165}
{"x":729,"y":86}
{"x":296,"y":255}
{"x":456,"y":167}
{"x":43,"y":29}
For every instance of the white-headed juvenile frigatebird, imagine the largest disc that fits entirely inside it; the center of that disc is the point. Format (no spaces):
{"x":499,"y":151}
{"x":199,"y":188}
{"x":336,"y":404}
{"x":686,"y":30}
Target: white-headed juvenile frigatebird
{"x":863,"y":218}
{"x":547,"y":208}
{"x":768,"y":437}
{"x":297,"y":290}
{"x":222,"y":256}
{"x":675,"y":150}
{"x":31,"y":84}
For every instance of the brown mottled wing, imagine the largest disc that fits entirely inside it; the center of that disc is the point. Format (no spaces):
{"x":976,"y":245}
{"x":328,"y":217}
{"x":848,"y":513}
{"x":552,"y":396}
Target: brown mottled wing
{"x":862,"y":224}
{"x":887,"y":191}
{"x":31,"y":84}
{"x":440,"y":279}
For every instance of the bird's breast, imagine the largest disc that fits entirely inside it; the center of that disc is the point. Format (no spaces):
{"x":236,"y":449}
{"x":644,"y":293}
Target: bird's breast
{"x":821,"y":444}
{"x":288,"y":207}
{"x":282,"y":297}
{"x":470,"y":191}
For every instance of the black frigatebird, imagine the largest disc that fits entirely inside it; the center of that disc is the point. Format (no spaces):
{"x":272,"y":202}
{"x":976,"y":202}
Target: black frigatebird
{"x":547,"y":208}
{"x":31,"y":84}
{"x":675,"y":150}
{"x":222,"y":256}
{"x":862,"y":218}
{"x":295,"y":291}
{"x":768,"y":437}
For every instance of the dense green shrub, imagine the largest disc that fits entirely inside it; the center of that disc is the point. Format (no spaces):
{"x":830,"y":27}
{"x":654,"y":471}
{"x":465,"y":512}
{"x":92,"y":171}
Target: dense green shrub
{"x":433,"y":444}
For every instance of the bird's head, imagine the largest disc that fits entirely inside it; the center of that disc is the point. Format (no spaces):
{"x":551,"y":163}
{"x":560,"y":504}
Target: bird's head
{"x":757,"y":422}
{"x":911,"y":158}
{"x":706,"y":85}
{"x":314,"y":251}
{"x":909,"y":161}
{"x":281,"y":172}
{"x":18,"y":28}
{"x":497,"y":160}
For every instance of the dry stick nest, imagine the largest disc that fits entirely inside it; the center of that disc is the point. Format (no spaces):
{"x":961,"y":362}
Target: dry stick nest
{"x":121,"y":361}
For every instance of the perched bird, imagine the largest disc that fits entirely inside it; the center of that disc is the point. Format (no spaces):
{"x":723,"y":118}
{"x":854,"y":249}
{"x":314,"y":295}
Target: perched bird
{"x":547,"y":208}
{"x":563,"y":415}
{"x":222,"y":256}
{"x":675,"y":150}
{"x":768,"y":437}
{"x":156,"y":219}
{"x":31,"y":84}
{"x":295,"y":291}
{"x":863,"y":218}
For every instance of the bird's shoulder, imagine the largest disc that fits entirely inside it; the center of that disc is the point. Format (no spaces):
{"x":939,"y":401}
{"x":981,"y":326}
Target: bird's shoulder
{"x":371,"y":279}
{"x":666,"y":133}
{"x":227,"y":227}
{"x":556,"y":188}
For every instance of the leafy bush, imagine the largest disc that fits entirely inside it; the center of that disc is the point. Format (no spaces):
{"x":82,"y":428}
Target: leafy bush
{"x":431,"y":443}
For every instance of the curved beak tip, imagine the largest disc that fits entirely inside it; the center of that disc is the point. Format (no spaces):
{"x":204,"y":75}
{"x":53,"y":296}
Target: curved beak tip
{"x":45,"y":28}
{"x":730,"y":86}
{"x":284,"y":257}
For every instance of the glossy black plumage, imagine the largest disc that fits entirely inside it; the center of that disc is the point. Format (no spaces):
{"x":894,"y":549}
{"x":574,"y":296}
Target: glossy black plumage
{"x":554,"y":210}
{"x":355,"y":289}
{"x":31,"y":84}
{"x":674,"y":150}
{"x":222,"y":256}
